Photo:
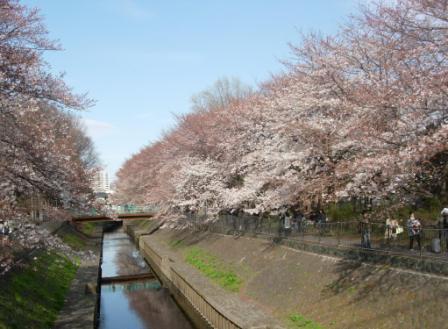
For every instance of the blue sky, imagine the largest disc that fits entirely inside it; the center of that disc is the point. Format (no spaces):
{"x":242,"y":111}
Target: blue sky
{"x":142,"y":60}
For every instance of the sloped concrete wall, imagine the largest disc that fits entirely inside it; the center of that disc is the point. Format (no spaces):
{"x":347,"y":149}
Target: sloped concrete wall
{"x":333,"y":291}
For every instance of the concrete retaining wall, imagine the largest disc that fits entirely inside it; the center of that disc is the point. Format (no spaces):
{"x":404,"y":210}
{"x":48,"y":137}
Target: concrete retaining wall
{"x":208,"y":306}
{"x":197,"y":300}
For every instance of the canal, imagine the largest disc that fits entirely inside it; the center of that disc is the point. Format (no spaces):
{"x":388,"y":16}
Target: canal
{"x":134,"y":304}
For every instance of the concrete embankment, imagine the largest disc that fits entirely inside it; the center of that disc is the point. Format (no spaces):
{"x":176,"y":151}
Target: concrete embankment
{"x":207,"y":305}
{"x":80,"y":305}
{"x":81,"y":302}
{"x":288,"y":284}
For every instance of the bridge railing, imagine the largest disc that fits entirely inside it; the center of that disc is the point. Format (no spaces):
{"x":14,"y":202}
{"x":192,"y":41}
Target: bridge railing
{"x":134,"y":209}
{"x":115,"y":211}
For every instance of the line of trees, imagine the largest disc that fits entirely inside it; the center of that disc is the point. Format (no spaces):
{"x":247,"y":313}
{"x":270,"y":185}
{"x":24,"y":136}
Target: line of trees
{"x":360,"y":114}
{"x":44,"y":149}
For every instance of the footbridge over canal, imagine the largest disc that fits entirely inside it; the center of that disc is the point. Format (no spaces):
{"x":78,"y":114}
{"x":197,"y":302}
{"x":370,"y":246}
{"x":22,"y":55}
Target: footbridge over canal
{"x":108,"y":217}
{"x":119,"y":214}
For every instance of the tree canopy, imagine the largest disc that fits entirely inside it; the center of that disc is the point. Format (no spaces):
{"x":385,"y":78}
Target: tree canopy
{"x":44,"y":149}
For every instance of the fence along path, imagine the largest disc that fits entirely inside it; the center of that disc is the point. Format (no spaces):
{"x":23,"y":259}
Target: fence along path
{"x":333,"y":234}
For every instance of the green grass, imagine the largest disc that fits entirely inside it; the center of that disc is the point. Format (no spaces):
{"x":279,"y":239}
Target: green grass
{"x":31,"y":297}
{"x":297,"y":321}
{"x":74,"y":241}
{"x":88,"y":228}
{"x":214,"y":269}
{"x":145,"y":225}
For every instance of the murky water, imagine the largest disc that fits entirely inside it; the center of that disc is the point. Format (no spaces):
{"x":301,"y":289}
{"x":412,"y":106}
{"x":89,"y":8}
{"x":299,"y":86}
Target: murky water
{"x":138,"y":304}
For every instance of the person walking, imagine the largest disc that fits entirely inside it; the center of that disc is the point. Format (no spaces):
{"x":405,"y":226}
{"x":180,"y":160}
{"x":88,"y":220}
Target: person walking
{"x":4,"y":232}
{"x":414,"y":230}
{"x":300,"y":222}
{"x":388,"y":232}
{"x":287,"y":223}
{"x":444,"y":226}
{"x":392,"y":229}
{"x":321,"y":222}
{"x":365,"y":228}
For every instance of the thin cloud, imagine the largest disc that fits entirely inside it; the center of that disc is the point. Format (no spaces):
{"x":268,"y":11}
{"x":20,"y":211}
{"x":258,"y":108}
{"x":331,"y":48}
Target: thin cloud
{"x":97,"y":128}
{"x":166,"y":56}
{"x":184,"y":56}
{"x":145,"y":115}
{"x":133,"y":9}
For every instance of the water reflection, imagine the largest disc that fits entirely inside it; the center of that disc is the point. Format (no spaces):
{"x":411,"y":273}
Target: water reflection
{"x":120,"y":256}
{"x":139,"y":304}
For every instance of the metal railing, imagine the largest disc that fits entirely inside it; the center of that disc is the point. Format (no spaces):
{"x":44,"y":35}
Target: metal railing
{"x":133,"y":209}
{"x":115,"y":211}
{"x":382,"y":238}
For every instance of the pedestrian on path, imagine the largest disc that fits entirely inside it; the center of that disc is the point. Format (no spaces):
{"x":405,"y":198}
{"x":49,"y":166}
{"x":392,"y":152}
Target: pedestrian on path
{"x":4,"y":233}
{"x":365,"y":229}
{"x":285,"y":222}
{"x":392,"y":229}
{"x":444,"y":226}
{"x":414,"y":230}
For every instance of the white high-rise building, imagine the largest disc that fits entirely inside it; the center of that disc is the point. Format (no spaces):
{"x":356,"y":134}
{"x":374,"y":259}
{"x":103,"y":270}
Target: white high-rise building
{"x":100,"y":182}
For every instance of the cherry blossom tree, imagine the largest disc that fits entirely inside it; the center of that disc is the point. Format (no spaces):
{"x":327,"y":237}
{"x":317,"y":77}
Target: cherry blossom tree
{"x":359,"y":114}
{"x":44,"y":151}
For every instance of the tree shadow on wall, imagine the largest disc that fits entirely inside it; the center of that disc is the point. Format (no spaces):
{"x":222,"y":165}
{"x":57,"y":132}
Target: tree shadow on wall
{"x":382,"y":295}
{"x":361,"y":280}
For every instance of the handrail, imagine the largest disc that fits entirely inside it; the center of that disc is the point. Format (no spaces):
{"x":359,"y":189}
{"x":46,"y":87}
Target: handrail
{"x":382,"y":237}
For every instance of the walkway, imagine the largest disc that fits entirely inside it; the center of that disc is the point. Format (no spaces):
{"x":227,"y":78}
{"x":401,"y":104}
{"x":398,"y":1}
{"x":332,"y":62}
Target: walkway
{"x":80,"y":304}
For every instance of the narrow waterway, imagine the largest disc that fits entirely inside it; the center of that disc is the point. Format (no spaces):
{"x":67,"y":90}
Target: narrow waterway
{"x":136,"y":304}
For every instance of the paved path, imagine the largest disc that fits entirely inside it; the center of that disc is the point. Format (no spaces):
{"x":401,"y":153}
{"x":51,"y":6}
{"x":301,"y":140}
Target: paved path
{"x":80,"y":303}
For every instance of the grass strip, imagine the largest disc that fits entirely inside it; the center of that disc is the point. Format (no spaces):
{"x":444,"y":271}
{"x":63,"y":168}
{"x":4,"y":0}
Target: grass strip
{"x":88,"y":228}
{"x":297,"y":321}
{"x":32,"y":296}
{"x":213,"y":269}
{"x":74,"y":241}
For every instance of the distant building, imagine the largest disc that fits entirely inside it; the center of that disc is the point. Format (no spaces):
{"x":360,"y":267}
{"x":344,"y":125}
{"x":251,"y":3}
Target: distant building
{"x":100,"y":183}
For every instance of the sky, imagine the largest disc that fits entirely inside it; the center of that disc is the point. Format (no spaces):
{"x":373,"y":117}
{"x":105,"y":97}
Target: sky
{"x":142,"y":60}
